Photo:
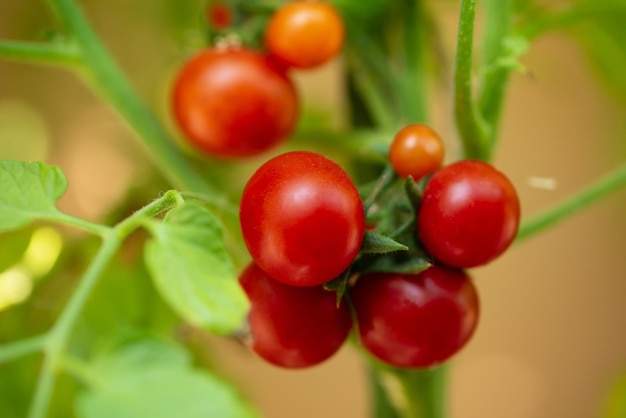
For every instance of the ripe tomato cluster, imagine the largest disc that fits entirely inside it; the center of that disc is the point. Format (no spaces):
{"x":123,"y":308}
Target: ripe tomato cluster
{"x":318,"y":272}
{"x":303,"y":222}
{"x":232,"y":101}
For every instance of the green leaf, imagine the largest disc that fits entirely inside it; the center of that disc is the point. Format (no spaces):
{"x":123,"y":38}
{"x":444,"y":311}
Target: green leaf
{"x":28,"y":191}
{"x":192,"y":271}
{"x":153,"y":378}
{"x":374,"y":243}
{"x":603,"y":42}
{"x":412,"y":261}
{"x":617,"y":400}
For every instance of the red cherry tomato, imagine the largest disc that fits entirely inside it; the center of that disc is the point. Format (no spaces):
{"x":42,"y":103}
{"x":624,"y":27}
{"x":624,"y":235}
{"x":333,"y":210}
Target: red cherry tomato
{"x":233,"y":103}
{"x":219,"y":15}
{"x":302,"y":218}
{"x":304,"y":34}
{"x":415,"y":151}
{"x":469,"y":214}
{"x":415,"y":321}
{"x":293,"y":327}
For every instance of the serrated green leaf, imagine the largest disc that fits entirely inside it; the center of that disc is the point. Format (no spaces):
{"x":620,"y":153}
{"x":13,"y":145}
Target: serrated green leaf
{"x":412,"y":261}
{"x":154,"y":379}
{"x":374,"y":243}
{"x":193,"y":272}
{"x":28,"y":191}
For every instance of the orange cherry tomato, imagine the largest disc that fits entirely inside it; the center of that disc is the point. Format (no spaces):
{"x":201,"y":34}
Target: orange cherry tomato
{"x":304,"y":34}
{"x":416,"y":151}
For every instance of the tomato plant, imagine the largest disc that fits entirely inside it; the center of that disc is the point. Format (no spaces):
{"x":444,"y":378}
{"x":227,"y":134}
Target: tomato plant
{"x":469,"y":214}
{"x":233,"y":102}
{"x":302,"y":218}
{"x":293,"y":327}
{"x":304,"y":34}
{"x":116,"y":261}
{"x":415,"y":321}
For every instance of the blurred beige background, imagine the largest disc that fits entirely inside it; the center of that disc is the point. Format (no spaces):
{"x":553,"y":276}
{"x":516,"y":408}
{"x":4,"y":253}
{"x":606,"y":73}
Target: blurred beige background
{"x":552,"y":338}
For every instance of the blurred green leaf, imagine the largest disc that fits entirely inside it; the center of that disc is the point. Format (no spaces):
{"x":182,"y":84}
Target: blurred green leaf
{"x":153,"y":378}
{"x":29,"y":190}
{"x":193,"y":272}
{"x":603,"y":41}
{"x":13,"y":245}
{"x":617,"y":401}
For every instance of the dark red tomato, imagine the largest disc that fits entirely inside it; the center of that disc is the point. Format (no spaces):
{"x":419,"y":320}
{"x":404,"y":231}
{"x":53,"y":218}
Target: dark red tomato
{"x":293,"y":327}
{"x":304,"y":34}
{"x":415,"y":151}
{"x":415,"y":321}
{"x":234,"y":103}
{"x":469,"y":214}
{"x":302,"y":218}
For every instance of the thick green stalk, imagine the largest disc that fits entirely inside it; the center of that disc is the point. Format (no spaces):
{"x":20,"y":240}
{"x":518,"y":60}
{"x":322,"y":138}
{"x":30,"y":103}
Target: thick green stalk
{"x":111,"y":83}
{"x":414,"y":393}
{"x":498,"y":18}
{"x":470,"y":124}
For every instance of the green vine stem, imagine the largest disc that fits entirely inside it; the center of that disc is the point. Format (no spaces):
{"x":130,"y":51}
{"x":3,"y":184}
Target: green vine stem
{"x":57,"y":53}
{"x":598,"y":190}
{"x":18,"y":349}
{"x":107,"y":78}
{"x":56,"y":340}
{"x":58,"y":336}
{"x":496,"y":74}
{"x":472,"y":127}
{"x":411,"y":89}
{"x":411,"y":393}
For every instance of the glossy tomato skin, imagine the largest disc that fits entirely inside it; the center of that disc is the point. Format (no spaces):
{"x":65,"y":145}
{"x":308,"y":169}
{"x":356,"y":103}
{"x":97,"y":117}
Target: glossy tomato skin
{"x":416,"y":150}
{"x":293,"y":327}
{"x":302,"y":218}
{"x":469,"y":214}
{"x":304,"y":34}
{"x":415,"y":321}
{"x":233,"y":102}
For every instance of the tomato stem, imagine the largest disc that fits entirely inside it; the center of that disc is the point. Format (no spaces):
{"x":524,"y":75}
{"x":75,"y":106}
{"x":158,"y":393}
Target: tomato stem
{"x":105,"y":75}
{"x":413,"y":393}
{"x":498,"y":17}
{"x":47,"y":53}
{"x":56,"y":340}
{"x":596,"y":191}
{"x":470,"y":123}
{"x":18,"y":349}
